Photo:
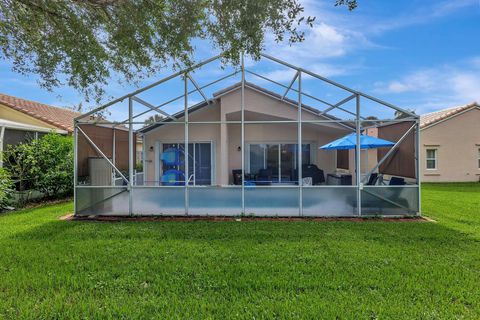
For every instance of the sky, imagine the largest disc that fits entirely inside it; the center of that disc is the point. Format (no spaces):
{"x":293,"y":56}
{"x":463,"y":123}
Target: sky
{"x":418,"y":54}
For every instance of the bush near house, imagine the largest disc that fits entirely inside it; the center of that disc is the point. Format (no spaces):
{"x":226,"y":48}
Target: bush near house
{"x":44,"y":164}
{"x":52,"y":170}
{"x":6,"y":189}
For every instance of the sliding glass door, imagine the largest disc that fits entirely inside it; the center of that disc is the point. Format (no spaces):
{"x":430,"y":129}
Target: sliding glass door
{"x":172,"y":163}
{"x":275,"y":163}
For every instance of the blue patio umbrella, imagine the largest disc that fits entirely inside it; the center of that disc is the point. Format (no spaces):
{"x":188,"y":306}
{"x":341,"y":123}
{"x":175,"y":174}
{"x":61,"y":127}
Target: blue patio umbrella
{"x":350,"y":141}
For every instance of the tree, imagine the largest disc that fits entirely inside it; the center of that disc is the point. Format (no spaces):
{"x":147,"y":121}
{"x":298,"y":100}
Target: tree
{"x":85,"y":42}
{"x":153,"y":119}
{"x":402,"y":115}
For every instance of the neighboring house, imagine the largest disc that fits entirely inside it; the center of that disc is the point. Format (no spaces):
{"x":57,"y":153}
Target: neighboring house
{"x":450,"y":141}
{"x":22,"y":120}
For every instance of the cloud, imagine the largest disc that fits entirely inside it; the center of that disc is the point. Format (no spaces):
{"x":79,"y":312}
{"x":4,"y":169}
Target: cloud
{"x":322,"y":42}
{"x":420,"y":15}
{"x":440,"y":87}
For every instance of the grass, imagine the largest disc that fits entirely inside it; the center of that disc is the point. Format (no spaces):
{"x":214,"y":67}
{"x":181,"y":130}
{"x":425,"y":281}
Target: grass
{"x":52,"y":269}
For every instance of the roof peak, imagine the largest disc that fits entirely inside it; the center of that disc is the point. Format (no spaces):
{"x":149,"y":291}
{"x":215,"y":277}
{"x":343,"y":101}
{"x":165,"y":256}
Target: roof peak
{"x":431,"y":118}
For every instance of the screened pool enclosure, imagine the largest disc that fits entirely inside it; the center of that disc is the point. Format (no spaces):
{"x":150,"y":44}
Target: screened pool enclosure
{"x":264,"y":138}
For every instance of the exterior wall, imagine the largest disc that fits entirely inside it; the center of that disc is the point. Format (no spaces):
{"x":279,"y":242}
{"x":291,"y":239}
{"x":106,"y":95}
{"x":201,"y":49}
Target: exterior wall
{"x":170,"y":133}
{"x":17,"y":116}
{"x":457,"y":141}
{"x":226,"y":138}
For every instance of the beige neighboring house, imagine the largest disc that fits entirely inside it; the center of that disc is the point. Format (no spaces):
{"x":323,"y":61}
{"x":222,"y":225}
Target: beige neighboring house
{"x":22,"y":120}
{"x":450,"y":141}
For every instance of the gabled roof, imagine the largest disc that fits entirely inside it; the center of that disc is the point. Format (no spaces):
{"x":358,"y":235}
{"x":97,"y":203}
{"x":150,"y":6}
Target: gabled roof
{"x":57,"y":117}
{"x":220,"y":93}
{"x":432,"y":118}
{"x":270,"y":93}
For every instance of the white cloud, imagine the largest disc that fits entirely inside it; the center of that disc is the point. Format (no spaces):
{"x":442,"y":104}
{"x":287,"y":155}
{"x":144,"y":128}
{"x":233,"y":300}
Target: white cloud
{"x":440,"y":87}
{"x":323,"y":41}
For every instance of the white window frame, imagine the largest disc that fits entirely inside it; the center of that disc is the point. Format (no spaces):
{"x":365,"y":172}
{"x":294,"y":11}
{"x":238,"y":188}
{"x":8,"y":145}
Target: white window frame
{"x":478,"y":157}
{"x":435,"y":159}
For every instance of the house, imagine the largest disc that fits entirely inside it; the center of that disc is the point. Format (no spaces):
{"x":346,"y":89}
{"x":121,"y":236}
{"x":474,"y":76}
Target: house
{"x":450,"y":141}
{"x":248,"y":149}
{"x":22,"y":120}
{"x":217,"y":148}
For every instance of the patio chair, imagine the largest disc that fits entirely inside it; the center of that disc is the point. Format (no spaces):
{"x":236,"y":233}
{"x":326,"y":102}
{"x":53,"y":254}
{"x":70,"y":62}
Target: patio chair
{"x":237,"y":176}
{"x":311,"y":170}
{"x":396,"y":181}
{"x":372,"y":180}
{"x":264,"y":177}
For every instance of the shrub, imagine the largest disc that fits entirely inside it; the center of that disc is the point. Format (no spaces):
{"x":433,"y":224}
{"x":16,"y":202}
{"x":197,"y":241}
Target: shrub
{"x":139,"y":166}
{"x":44,"y":164}
{"x":52,"y":170}
{"x":6,"y":189}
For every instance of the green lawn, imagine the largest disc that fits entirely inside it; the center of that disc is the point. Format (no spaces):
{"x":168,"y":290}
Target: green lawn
{"x":264,"y":269}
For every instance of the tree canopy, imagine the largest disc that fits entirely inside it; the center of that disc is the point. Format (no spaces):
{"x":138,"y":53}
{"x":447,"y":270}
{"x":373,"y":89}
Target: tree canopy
{"x":82,"y":43}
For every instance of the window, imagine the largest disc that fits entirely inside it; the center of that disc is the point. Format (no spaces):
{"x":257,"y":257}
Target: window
{"x":431,"y":159}
{"x":279,"y":158}
{"x":15,"y":137}
{"x":478,"y":156}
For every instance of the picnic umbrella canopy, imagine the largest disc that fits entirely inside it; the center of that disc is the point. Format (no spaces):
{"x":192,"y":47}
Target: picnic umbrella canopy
{"x":350,"y":142}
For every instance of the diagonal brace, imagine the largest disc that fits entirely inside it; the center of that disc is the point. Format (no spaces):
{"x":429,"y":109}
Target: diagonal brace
{"x":387,"y":200}
{"x":390,"y":152}
{"x":290,"y":85}
{"x":101,"y":153}
{"x":152,"y":107}
{"x":181,"y":96}
{"x":197,"y":87}
{"x":338,"y":104}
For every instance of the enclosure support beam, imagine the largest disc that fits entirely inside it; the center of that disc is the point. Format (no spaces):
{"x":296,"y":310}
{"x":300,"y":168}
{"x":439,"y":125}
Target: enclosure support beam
{"x":300,"y":146}
{"x":338,"y":85}
{"x":198,"y":88}
{"x":75,"y":166}
{"x":113,"y":154}
{"x":358,"y":156}
{"x":185,"y":148}
{"x":242,"y":113}
{"x":394,"y":147}
{"x":417,"y":164}
{"x":180,"y":96}
{"x":338,"y":104}
{"x":130,"y":156}
{"x":101,"y":153}
{"x":2,"y":135}
{"x":152,"y":107}
{"x":284,"y":86}
{"x":290,"y":85}
{"x":198,"y":65}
